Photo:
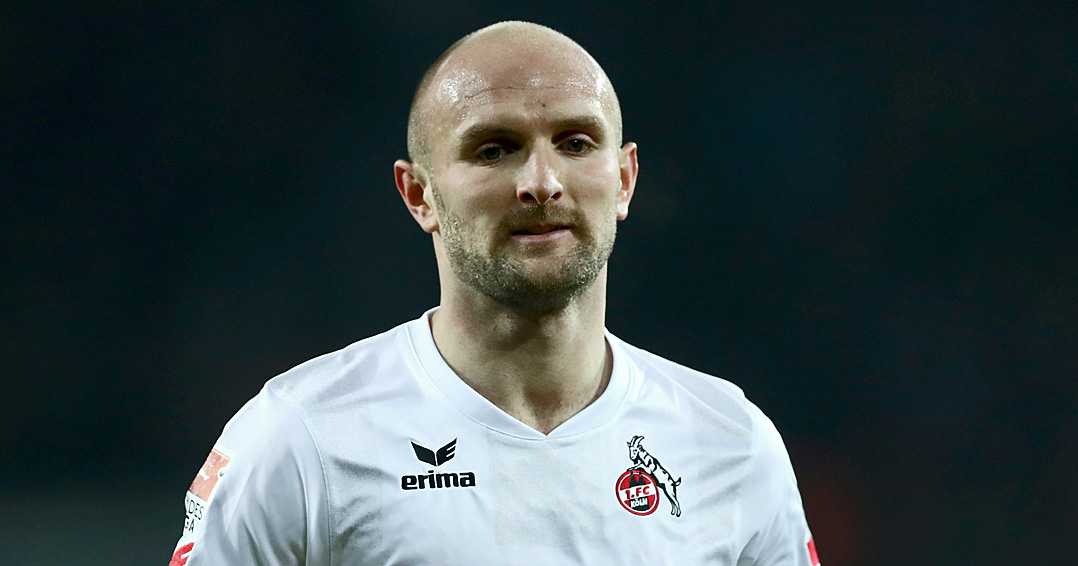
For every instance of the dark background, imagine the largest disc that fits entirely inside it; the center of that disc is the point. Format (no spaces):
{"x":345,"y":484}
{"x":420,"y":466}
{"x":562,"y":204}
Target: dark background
{"x":863,"y":214}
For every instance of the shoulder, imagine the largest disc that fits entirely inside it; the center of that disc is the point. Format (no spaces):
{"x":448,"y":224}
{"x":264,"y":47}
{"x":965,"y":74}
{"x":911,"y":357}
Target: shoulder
{"x":707,"y":394}
{"x":772,"y":527}
{"x":346,"y":373}
{"x":281,"y":422}
{"x":719,"y":411}
{"x":260,"y":496}
{"x":268,"y":437}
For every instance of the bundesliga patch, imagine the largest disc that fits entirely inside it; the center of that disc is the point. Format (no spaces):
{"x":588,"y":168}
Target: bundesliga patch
{"x":198,"y":495}
{"x":639,"y":487}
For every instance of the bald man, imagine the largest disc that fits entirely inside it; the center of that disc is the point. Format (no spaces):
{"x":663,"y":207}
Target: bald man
{"x":506,"y":425}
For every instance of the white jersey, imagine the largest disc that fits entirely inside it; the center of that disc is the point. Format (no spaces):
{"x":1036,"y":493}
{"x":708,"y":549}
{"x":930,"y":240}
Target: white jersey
{"x":378,"y":454}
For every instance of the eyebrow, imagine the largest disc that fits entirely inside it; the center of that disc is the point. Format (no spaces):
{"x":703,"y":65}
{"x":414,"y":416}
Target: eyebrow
{"x":584,"y":123}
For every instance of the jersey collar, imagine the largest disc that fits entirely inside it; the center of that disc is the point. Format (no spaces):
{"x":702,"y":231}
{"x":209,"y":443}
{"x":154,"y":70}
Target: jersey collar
{"x":623,"y":376}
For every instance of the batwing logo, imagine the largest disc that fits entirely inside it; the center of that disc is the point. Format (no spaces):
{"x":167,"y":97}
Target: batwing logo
{"x":638,"y":488}
{"x":428,"y":456}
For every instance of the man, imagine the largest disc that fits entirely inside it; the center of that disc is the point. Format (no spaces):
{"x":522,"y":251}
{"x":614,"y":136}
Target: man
{"x":506,"y":426}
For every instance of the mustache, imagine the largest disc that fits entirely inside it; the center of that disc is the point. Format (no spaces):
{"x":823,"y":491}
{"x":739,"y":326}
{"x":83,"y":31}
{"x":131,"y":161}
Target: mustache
{"x":544,"y":213}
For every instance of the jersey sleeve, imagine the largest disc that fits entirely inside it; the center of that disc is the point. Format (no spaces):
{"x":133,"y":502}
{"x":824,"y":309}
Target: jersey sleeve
{"x":776,"y":532}
{"x":260,"y":498}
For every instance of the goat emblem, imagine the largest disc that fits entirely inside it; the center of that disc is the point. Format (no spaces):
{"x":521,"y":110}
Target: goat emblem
{"x":638,"y":488}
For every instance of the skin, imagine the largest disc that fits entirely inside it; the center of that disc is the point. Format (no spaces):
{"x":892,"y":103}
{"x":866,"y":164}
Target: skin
{"x":521,"y":191}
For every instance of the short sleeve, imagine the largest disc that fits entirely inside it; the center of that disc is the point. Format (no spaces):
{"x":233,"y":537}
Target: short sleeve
{"x":260,"y":498}
{"x":775,"y":529}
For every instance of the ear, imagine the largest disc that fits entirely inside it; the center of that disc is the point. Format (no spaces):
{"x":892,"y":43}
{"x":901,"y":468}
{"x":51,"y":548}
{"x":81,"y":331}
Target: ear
{"x":412,"y":185}
{"x":629,"y":169}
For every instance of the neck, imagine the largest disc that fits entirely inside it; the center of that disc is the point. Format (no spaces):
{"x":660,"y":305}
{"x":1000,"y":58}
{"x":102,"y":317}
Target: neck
{"x":542,"y":370}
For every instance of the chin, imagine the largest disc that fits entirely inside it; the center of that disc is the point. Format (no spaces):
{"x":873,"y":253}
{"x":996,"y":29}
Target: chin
{"x":542,"y":295}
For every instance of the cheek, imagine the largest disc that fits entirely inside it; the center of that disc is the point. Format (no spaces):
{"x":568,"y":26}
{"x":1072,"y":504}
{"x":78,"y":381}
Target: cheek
{"x":472,"y":197}
{"x":602,"y":179}
{"x":607,"y":166}
{"x":484,"y":189}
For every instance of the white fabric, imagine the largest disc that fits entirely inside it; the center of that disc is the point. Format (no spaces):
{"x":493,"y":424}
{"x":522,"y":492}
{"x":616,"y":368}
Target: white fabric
{"x":316,"y":464}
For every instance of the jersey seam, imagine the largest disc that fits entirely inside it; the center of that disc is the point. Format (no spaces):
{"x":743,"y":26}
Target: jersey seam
{"x":321,"y":465}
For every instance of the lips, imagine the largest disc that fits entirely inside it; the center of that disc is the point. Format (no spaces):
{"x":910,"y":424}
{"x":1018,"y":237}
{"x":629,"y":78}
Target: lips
{"x":538,"y":229}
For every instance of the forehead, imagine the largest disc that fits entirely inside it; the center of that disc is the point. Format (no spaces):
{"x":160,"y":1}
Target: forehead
{"x":471,"y":75}
{"x":524,"y":83}
{"x":537,"y":107}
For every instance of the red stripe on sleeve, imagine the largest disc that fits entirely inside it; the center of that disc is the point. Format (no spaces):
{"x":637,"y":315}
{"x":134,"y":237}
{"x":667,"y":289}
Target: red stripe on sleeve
{"x":813,"y":557}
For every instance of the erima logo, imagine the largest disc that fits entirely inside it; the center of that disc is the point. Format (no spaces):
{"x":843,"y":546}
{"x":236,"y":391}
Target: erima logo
{"x":427,"y":456}
{"x":440,"y":480}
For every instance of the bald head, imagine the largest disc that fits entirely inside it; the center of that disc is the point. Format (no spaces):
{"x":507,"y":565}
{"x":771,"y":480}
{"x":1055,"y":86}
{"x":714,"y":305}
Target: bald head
{"x":506,"y":55}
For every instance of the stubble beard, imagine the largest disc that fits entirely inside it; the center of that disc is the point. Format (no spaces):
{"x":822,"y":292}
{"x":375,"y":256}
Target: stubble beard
{"x":506,"y":280}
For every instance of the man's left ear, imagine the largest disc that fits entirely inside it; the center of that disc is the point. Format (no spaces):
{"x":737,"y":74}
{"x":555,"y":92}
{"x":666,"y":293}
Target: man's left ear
{"x":629,"y":169}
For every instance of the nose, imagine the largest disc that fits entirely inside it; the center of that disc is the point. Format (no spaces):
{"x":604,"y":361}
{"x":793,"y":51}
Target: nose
{"x":538,"y":182}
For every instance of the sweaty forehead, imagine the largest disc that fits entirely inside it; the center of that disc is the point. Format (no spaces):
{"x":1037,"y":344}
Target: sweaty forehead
{"x":496,"y":66}
{"x":480,"y":75}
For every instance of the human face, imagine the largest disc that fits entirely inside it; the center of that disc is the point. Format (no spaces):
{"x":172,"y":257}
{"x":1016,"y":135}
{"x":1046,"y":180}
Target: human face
{"x":528,"y":184}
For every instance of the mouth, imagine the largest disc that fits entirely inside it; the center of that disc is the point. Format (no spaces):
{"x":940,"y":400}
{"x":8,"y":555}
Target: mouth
{"x":540,"y":229}
{"x":541,"y":232}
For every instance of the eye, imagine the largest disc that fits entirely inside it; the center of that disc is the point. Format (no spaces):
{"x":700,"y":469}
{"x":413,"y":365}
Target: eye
{"x":576,"y":145}
{"x":492,"y":152}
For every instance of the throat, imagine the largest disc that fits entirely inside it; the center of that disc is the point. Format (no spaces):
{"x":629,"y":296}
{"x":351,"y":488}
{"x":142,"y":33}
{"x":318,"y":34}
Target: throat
{"x":541,"y":373}
{"x":541,"y":397}
{"x":550,"y":407}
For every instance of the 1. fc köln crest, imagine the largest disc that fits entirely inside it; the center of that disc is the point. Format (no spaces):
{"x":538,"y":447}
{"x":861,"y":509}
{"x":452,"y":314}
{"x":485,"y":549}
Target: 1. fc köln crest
{"x":639,"y":487}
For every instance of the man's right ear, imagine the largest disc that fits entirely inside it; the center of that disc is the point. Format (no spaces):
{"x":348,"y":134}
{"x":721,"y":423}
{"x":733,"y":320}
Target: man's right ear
{"x":412,"y":185}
